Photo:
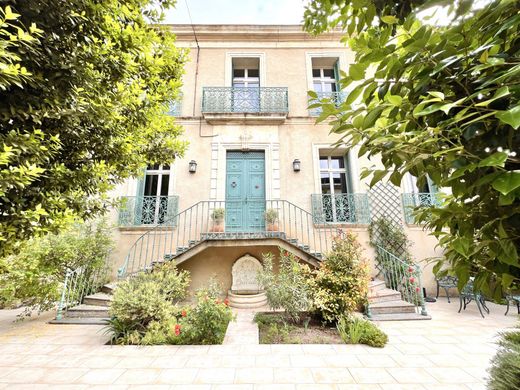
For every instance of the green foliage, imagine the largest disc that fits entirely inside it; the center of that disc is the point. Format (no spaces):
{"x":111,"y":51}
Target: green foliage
{"x":439,"y":102}
{"x":35,"y":275}
{"x":217,"y":215}
{"x":505,"y":366}
{"x":289,"y":289}
{"x":385,"y":233}
{"x":271,"y":216}
{"x":355,"y":330}
{"x":341,"y":283}
{"x":84,"y":92}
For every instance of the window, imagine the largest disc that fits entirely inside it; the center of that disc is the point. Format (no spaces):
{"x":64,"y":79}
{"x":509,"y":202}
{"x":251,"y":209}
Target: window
{"x":336,"y":201}
{"x":246,"y":84}
{"x":323,"y":80}
{"x":154,"y":194}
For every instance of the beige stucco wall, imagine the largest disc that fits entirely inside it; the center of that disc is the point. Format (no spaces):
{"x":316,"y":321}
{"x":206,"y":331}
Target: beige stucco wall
{"x":286,"y":63}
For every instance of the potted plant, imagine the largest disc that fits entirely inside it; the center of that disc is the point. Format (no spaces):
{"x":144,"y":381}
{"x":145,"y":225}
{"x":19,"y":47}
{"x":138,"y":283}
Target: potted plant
{"x":217,"y":216}
{"x":271,"y":220}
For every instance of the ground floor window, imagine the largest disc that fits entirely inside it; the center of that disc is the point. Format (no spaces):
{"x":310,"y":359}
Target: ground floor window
{"x":154,"y":195}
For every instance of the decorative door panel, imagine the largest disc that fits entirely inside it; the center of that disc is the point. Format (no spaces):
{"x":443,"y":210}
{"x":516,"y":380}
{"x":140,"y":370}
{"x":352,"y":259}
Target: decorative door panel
{"x":245,"y":191}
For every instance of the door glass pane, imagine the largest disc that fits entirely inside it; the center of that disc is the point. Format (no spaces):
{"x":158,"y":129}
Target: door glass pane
{"x":339,"y":181}
{"x":150,"y":185}
{"x":325,"y":183}
{"x":253,"y":84}
{"x":317,"y":87}
{"x":327,"y":87}
{"x":329,"y":73}
{"x":153,"y":167}
{"x":238,"y":84}
{"x":252,"y":73}
{"x":164,"y":185}
{"x":324,"y":162}
{"x":337,"y":162}
{"x":165,"y":167}
{"x":238,"y":72}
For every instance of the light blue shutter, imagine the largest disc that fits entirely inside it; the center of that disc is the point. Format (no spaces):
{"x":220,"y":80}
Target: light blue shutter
{"x":139,"y":199}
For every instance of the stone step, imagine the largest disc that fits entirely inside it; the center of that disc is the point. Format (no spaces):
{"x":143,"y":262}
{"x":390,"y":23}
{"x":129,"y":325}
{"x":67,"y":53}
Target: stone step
{"x":81,"y":321}
{"x":108,"y":288}
{"x":392,"y":307}
{"x":384,"y":295}
{"x":98,"y":299}
{"x":399,"y":317}
{"x":87,"y":311}
{"x":376,"y":285}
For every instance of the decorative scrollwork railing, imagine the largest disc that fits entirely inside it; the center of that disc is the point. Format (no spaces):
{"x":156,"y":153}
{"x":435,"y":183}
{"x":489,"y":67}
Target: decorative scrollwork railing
{"x":148,"y":210}
{"x":335,"y":98}
{"x":246,"y":100}
{"x":413,"y":200}
{"x":340,"y":208}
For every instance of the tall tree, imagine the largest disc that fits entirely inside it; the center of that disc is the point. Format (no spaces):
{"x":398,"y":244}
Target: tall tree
{"x":85,"y":110}
{"x":440,"y":102}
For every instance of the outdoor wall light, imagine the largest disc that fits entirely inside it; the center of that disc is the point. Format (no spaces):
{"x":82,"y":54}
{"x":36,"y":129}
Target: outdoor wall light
{"x":296,"y":165}
{"x":193,"y":166}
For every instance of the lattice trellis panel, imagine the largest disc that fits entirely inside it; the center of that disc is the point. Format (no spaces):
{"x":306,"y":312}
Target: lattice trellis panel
{"x":385,"y":202}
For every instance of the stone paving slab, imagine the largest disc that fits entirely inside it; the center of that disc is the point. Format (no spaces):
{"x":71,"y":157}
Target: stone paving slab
{"x":450,"y":352}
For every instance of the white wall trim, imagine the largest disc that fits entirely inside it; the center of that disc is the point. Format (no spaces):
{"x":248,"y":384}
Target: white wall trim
{"x":228,"y":79}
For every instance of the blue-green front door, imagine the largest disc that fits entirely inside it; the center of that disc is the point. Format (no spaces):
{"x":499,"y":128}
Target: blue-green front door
{"x":245,"y":191}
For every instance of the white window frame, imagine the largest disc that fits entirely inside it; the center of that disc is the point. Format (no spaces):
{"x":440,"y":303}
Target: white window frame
{"x":324,"y":80}
{"x":246,"y":79}
{"x":160,"y":173}
{"x":228,"y":69}
{"x":331,"y":171}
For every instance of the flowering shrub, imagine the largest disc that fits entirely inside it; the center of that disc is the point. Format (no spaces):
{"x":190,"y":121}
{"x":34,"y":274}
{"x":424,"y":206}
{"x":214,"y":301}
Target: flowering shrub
{"x":340,"y":285}
{"x":289,"y":289}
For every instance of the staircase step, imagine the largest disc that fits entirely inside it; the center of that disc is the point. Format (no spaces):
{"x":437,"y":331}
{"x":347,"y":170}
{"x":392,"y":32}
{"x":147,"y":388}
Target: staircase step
{"x":384,"y":295}
{"x":87,"y":311}
{"x":399,"y":317}
{"x":392,"y":307}
{"x":98,"y":299}
{"x":109,"y":288}
{"x":169,"y":256}
{"x":376,"y":285}
{"x":81,"y":321}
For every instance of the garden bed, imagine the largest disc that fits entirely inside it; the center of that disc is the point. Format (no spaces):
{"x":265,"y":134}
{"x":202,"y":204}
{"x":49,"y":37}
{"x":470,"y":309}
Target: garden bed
{"x":275,"y":328}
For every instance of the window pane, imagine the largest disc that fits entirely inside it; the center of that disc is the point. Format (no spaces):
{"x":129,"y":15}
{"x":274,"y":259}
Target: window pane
{"x":325,"y":183}
{"x":315,"y":73}
{"x":238,"y":72}
{"x":337,"y":162}
{"x":165,"y":167}
{"x":238,"y":85}
{"x":253,"y":84}
{"x":253,"y":73}
{"x":150,"y":185}
{"x":327,"y":87}
{"x":328,"y":73}
{"x":153,"y":167}
{"x":164,"y":185}
{"x":317,"y":87}
{"x":324,"y":162}
{"x":340,"y":183}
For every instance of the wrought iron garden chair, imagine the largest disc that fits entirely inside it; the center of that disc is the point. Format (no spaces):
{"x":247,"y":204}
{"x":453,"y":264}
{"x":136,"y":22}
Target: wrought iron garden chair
{"x":446,"y":282}
{"x":468,"y":294}
{"x":515,"y":299}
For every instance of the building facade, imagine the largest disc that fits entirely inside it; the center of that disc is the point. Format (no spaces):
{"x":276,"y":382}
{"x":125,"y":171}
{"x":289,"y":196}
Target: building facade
{"x":259,"y":173}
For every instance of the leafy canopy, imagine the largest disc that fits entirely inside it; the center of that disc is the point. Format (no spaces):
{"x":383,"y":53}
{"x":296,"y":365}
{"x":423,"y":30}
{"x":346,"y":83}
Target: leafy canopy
{"x":84,"y":88}
{"x":439,"y":102}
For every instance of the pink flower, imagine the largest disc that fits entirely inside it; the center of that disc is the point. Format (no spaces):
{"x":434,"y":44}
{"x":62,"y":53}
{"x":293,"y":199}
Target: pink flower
{"x":412,"y":280}
{"x":410,"y":269}
{"x":417,"y":289}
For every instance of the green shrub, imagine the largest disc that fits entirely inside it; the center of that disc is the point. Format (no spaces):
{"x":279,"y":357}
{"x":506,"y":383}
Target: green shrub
{"x":35,"y":275}
{"x":340,"y":285}
{"x":355,"y":330}
{"x":289,"y":289}
{"x":504,"y":373}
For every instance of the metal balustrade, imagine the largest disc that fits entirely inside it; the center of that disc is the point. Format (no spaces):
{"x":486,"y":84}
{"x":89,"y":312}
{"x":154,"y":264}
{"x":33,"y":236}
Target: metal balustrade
{"x":340,"y":208}
{"x":403,"y":276}
{"x":245,"y":100}
{"x":147,"y":210}
{"x":195,"y":225}
{"x":335,"y":98}
{"x":413,"y":200}
{"x":175,"y":107}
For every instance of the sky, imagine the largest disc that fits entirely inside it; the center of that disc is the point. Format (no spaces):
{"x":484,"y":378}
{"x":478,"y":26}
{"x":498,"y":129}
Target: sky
{"x":237,"y":12}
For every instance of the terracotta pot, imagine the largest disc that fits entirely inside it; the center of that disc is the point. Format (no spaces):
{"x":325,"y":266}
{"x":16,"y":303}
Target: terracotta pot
{"x":272,"y":227}
{"x":217,"y":228}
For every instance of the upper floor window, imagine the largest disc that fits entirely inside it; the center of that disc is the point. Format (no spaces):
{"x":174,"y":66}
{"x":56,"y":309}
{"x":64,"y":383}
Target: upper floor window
{"x":246,"y":72}
{"x":323,"y":80}
{"x":333,"y":175}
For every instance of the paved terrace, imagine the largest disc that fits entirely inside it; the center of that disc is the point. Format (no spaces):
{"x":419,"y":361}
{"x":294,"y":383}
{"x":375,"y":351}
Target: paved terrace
{"x":451,"y":351}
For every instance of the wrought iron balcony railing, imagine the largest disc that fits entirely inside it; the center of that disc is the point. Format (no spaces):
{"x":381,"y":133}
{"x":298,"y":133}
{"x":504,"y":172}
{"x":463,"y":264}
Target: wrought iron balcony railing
{"x":340,"y":208}
{"x":335,"y":98}
{"x":148,"y":210}
{"x":412,"y":200}
{"x":175,"y":108}
{"x":245,"y":100}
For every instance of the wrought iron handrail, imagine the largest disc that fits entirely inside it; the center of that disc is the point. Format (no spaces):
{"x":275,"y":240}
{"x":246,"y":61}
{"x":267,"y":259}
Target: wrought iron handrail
{"x":413,"y":200}
{"x":147,"y":210}
{"x":81,"y":282}
{"x":195,"y":224}
{"x":334,"y":97}
{"x":245,"y":100}
{"x":341,"y":208}
{"x":403,"y":276}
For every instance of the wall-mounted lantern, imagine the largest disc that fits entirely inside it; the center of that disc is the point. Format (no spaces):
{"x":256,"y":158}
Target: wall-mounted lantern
{"x":193,"y":166}
{"x":296,"y":165}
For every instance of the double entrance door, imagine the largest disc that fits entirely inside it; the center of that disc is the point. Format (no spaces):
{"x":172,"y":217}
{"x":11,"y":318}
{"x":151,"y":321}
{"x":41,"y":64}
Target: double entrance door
{"x":245,"y":191}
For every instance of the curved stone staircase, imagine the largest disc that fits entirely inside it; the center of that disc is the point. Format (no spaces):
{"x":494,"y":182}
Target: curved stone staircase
{"x":387,"y":305}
